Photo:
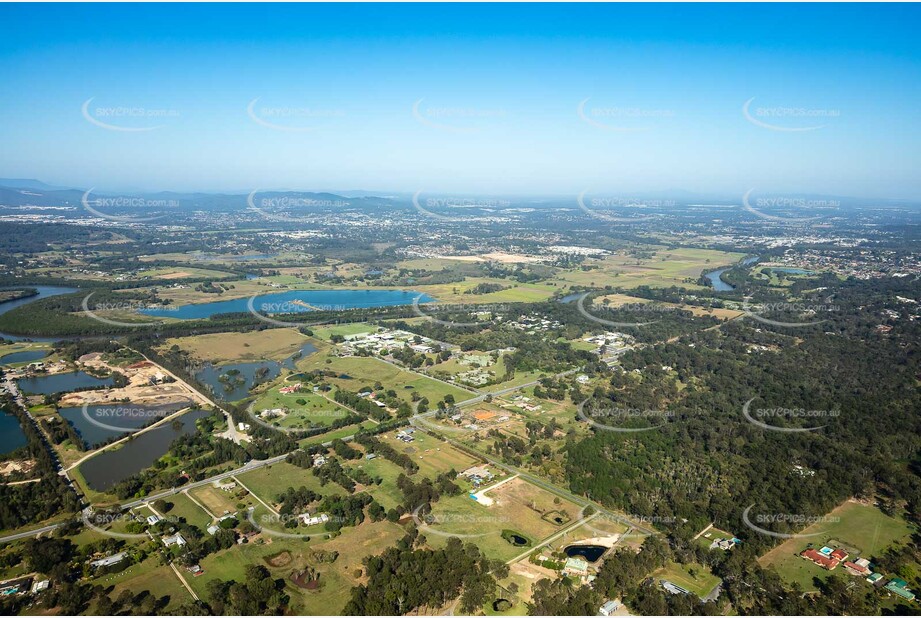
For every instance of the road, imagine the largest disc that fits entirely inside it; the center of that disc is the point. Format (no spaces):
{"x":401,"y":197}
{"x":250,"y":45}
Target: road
{"x":231,"y":433}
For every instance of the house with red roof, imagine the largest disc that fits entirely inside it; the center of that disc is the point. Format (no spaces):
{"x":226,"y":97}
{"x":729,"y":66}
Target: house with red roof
{"x":823,"y":561}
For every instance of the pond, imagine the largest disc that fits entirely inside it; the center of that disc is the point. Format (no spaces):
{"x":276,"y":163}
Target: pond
{"x":11,"y":435}
{"x":113,"y":421}
{"x":590,"y":552}
{"x":233,"y":382}
{"x":61,"y":382}
{"x":294,"y":301}
{"x":111,"y":467}
{"x":26,"y":356}
{"x":44,"y":291}
{"x":515,"y":539}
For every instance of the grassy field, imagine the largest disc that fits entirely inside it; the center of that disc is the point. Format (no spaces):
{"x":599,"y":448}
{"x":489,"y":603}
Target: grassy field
{"x":432,"y":455}
{"x":365,"y":371}
{"x":666,"y":267}
{"x":184,"y":272}
{"x":329,"y":436}
{"x":270,"y":344}
{"x":618,"y":300}
{"x":517,"y":506}
{"x":387,"y":494}
{"x":694,"y":577}
{"x":149,"y":575}
{"x":317,"y":409}
{"x":191,"y":512}
{"x":863,"y":530}
{"x":270,"y":481}
{"x":219,"y":501}
{"x":337,"y":578}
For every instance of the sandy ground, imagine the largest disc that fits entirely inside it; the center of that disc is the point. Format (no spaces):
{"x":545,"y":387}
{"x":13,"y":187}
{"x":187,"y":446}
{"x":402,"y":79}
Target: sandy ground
{"x":140,"y":390}
{"x":504,"y":258}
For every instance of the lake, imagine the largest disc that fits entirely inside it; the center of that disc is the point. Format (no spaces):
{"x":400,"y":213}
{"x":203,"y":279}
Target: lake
{"x":318,"y":299}
{"x":121,"y":419}
{"x":26,"y":356}
{"x":60,"y":383}
{"x":11,"y":435}
{"x":44,"y":291}
{"x":111,"y":467}
{"x":244,"y":377}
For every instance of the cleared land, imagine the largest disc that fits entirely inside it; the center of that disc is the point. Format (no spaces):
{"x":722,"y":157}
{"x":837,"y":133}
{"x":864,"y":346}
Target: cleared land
{"x":693,"y":577}
{"x":270,"y":344}
{"x":863,"y":530}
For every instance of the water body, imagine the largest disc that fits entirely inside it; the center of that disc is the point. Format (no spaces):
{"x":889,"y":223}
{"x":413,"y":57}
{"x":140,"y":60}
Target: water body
{"x":127,"y":417}
{"x":571,"y":297}
{"x":26,"y":356}
{"x":792,"y":271}
{"x":243,"y":381}
{"x":590,"y":552}
{"x":44,"y":291}
{"x":61,"y":382}
{"x":321,"y":299}
{"x":111,"y":467}
{"x":11,"y":435}
{"x":716,"y":280}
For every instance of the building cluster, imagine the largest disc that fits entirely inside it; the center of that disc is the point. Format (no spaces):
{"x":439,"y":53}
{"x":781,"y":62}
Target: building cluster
{"x":830,"y":558}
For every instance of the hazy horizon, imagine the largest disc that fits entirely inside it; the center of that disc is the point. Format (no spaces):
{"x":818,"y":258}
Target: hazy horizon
{"x":480,"y":99}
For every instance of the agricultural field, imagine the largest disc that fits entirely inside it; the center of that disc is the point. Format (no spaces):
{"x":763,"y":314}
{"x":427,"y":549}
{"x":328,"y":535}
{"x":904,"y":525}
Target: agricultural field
{"x":666,"y":267}
{"x":863,"y":530}
{"x":270,"y":344}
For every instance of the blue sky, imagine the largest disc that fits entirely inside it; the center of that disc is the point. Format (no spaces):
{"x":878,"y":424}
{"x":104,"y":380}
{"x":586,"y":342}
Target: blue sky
{"x":497,"y":91}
